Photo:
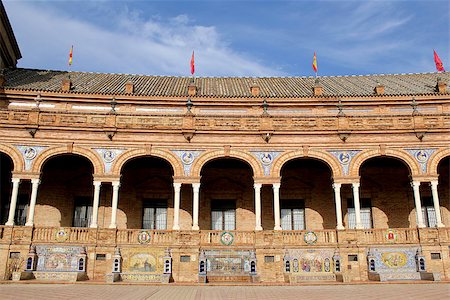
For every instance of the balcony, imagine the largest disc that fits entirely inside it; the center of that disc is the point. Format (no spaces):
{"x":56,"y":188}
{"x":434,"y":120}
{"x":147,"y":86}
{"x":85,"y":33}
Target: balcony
{"x":214,"y":238}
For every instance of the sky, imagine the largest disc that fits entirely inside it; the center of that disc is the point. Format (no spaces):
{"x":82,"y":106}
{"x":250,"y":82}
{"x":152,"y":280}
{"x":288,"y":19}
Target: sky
{"x":252,"y":38}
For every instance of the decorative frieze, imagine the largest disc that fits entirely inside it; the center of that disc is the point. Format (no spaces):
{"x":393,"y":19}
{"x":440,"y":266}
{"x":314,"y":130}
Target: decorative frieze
{"x":266,"y":159}
{"x":344,"y":157}
{"x":187,"y":157}
{"x":108,"y":156}
{"x":29,"y":153}
{"x":421,"y":156}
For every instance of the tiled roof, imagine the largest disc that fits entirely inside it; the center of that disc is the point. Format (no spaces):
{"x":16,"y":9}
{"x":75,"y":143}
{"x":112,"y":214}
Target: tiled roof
{"x":271,"y":87}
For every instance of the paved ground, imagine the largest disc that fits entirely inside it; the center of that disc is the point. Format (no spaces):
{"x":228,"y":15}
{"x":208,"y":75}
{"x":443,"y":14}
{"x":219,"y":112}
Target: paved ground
{"x":429,"y":291}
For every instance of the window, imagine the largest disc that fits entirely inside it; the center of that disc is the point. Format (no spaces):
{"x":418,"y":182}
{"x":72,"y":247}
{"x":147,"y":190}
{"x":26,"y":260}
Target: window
{"x":20,"y":217}
{"x":82,"y":212}
{"x":366,"y":213}
{"x":223,"y":215}
{"x":269,"y":259}
{"x":155,"y":214}
{"x":185,"y":258}
{"x":428,"y":212}
{"x":293,"y":215}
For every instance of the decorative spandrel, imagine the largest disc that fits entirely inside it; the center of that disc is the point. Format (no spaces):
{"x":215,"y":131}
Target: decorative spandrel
{"x":266,"y":158}
{"x":187,"y":157}
{"x":29,"y":153}
{"x":108,"y":156}
{"x":421,"y":156}
{"x":344,"y":157}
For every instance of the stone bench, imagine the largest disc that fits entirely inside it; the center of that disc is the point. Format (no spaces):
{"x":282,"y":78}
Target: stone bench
{"x":60,"y":276}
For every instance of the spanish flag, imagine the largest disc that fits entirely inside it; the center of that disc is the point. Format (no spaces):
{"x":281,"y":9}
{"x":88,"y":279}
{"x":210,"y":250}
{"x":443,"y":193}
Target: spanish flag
{"x":192,"y":64}
{"x":314,"y":64}
{"x":70,"y":56}
{"x":438,"y":62}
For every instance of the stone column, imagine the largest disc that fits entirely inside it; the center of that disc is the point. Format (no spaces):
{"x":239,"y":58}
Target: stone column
{"x":94,"y":217}
{"x":176,"y":206}
{"x":115,"y":201}
{"x":196,"y":191}
{"x":355,"y":187}
{"x":12,"y":205}
{"x":337,"y":199}
{"x":34,"y":190}
{"x":437,"y":208}
{"x":276,"y":205}
{"x":419,"y":217}
{"x":257,"y":187}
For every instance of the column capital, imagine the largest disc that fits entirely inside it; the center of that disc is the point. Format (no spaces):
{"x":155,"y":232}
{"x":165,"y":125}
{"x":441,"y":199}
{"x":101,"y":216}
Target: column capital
{"x":196,"y":185}
{"x":355,"y":185}
{"x":35,"y":181}
{"x":336,"y":185}
{"x":276,"y":186}
{"x":15,"y":180}
{"x":115,"y":184}
{"x":415,"y":184}
{"x":257,"y":186}
{"x":98,"y":183}
{"x":177,"y":185}
{"x":434,"y":183}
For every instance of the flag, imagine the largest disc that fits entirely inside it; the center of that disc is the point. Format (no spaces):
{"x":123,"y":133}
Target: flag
{"x":314,"y":64}
{"x":70,"y":56}
{"x":438,"y":63}
{"x":192,"y":64}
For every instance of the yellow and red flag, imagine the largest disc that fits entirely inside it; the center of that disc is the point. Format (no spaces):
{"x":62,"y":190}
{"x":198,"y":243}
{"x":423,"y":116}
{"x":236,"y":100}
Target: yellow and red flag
{"x":192,"y":64}
{"x":438,"y":62}
{"x":70,"y":56}
{"x":314,"y":64}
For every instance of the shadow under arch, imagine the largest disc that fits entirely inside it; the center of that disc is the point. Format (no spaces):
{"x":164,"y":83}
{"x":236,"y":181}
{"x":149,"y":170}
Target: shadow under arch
{"x":47,"y":154}
{"x":208,"y":156}
{"x":172,"y":159}
{"x":324,"y":157}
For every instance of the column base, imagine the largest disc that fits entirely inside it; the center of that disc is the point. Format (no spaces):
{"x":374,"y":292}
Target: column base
{"x":340,"y":227}
{"x":176,"y":227}
{"x":440,"y":225}
{"x":113,"y":226}
{"x":277,"y":228}
{"x":195,"y":227}
{"x":29,"y":224}
{"x":9,"y":224}
{"x":258,"y":228}
{"x":93,"y":226}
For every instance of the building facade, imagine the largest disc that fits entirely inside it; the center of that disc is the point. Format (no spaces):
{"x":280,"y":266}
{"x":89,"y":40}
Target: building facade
{"x":228,"y":179}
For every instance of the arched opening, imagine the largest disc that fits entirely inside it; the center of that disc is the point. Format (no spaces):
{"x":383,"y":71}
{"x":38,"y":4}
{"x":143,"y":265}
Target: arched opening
{"x":444,"y":189}
{"x":66,"y":192}
{"x":226,"y":201}
{"x":146,"y":194}
{"x":6,"y":167}
{"x":306,"y":195}
{"x":386,"y":195}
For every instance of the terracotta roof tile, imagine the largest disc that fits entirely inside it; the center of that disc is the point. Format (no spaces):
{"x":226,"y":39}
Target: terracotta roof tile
{"x":170,"y":86}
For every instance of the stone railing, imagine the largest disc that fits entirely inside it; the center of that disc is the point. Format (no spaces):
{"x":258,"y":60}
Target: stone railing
{"x":383,"y":236}
{"x":131,"y":236}
{"x":64,"y":234}
{"x":304,"y":237}
{"x":300,"y":238}
{"x":214,"y":237}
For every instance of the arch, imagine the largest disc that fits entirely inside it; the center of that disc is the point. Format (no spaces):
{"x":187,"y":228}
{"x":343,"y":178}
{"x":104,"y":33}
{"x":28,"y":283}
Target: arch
{"x":325,"y":157}
{"x":51,"y":152}
{"x":213,"y":154}
{"x":15,"y":156}
{"x":166,"y":155}
{"x":365,"y":155}
{"x":435,"y":159}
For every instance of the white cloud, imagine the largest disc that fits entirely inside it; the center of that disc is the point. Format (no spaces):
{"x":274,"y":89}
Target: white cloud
{"x":135,"y":44}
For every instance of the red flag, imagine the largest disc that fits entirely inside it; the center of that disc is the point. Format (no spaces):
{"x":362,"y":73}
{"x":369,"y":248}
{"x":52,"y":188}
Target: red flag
{"x":314,"y":65}
{"x":192,"y":64}
{"x":70,"y":56}
{"x":438,"y":63}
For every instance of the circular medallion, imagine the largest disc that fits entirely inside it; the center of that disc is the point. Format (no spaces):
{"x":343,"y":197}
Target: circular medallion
{"x":227,"y":238}
{"x":108,"y":156}
{"x":61,"y":235}
{"x":266,"y":158}
{"x":310,"y":238}
{"x":422,"y":156}
{"x":187,"y":158}
{"x":391,"y":235}
{"x":144,"y":237}
{"x":30,"y":153}
{"x":344,"y":158}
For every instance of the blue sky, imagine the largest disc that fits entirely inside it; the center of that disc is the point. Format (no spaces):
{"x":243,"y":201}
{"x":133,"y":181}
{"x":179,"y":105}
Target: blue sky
{"x":233,"y":38}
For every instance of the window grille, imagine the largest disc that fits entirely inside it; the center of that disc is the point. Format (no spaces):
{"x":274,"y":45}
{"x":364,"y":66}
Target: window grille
{"x":293,"y":215}
{"x":155,"y":214}
{"x":223,"y":215}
